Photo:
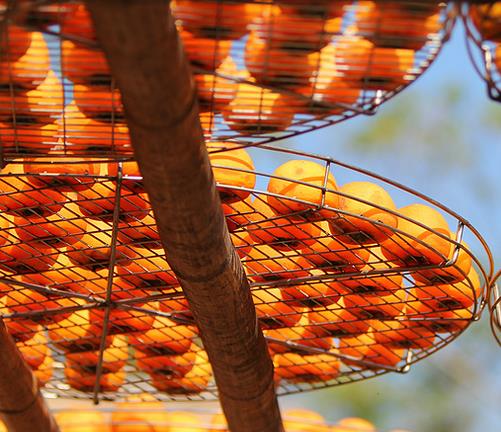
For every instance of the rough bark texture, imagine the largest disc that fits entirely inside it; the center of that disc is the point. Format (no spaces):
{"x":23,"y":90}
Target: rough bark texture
{"x":158,"y":92}
{"x":22,"y":407}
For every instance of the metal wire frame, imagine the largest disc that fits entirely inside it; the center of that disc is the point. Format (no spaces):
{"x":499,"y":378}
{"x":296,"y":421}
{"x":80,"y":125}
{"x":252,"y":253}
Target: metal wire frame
{"x":253,"y":124}
{"x":481,"y":53}
{"x":77,"y":289}
{"x":495,"y":307}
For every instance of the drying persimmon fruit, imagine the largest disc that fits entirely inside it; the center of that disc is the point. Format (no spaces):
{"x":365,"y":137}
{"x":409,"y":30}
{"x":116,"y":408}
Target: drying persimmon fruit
{"x":131,"y":176}
{"x":165,"y":337}
{"x":123,"y":321}
{"x":35,"y":350}
{"x":148,"y":273}
{"x":386,"y":305}
{"x":487,"y":19}
{"x":30,"y":300}
{"x":256,"y":110}
{"x":242,"y":242}
{"x":448,"y":274}
{"x":114,"y":358}
{"x":312,"y":368}
{"x":77,"y":333}
{"x":213,"y":19}
{"x":177,"y":307}
{"x":75,"y":174}
{"x":80,"y":133}
{"x":38,"y":106}
{"x":370,"y":67}
{"x":272,"y":311}
{"x":140,"y":417}
{"x":86,"y":382}
{"x":497,"y":57}
{"x":363,"y":203}
{"x":398,"y":24}
{"x":15,"y":43}
{"x":443,"y":320}
{"x":281,"y":233}
{"x":402,"y":333}
{"x":140,"y":233}
{"x":311,"y":294}
{"x":194,"y":382}
{"x":80,"y":420}
{"x":373,"y":284}
{"x":295,"y":420}
{"x":168,"y":365}
{"x":77,"y":22}
{"x":19,"y":258}
{"x":28,"y":71}
{"x":287,"y":30}
{"x":98,"y":202}
{"x":83,"y":65}
{"x":336,"y":321}
{"x":422,"y":238}
{"x":28,"y":136}
{"x":103,"y":104}
{"x":55,"y":231}
{"x":315,"y":9}
{"x":364,"y":348}
{"x":328,"y":254}
{"x":215,"y":90}
{"x":205,"y":53}
{"x":299,"y":185}
{"x":93,"y":250}
{"x":233,"y":169}
{"x":238,"y":214}
{"x":455,"y":295}
{"x":265,"y":264}
{"x":20,"y":198}
{"x":277,"y":67}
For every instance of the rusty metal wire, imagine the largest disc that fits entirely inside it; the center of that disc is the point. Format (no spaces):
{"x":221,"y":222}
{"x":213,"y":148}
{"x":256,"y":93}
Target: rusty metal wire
{"x":265,"y":71}
{"x":484,"y":44}
{"x":346,"y":286}
{"x":495,"y":307}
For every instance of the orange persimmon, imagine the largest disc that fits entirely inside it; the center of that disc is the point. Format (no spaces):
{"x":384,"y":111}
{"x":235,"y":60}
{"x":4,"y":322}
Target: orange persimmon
{"x":15,"y":42}
{"x":132,"y":178}
{"x":77,"y":22}
{"x":227,"y":167}
{"x":27,"y":135}
{"x":140,"y":233}
{"x":312,"y":368}
{"x":311,"y":294}
{"x":487,"y":19}
{"x":103,"y":104}
{"x":365,"y":348}
{"x":256,"y":110}
{"x":205,"y":53}
{"x":418,"y":245}
{"x":123,"y":321}
{"x":302,"y":180}
{"x":363,"y":203}
{"x":402,"y":333}
{"x":353,"y":424}
{"x":86,"y":382}
{"x":272,"y":311}
{"x":44,"y":372}
{"x":440,"y":321}
{"x":173,"y":365}
{"x":386,"y":305}
{"x":35,"y":350}
{"x":281,"y":233}
{"x":84,"y":65}
{"x":140,"y":417}
{"x":178,"y":307}
{"x":303,"y":420}
{"x":263,"y":263}
{"x":82,"y":421}
{"x":21,"y":329}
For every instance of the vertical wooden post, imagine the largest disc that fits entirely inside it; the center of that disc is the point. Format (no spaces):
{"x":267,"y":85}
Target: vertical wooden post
{"x":158,"y":92}
{"x":22,"y":406}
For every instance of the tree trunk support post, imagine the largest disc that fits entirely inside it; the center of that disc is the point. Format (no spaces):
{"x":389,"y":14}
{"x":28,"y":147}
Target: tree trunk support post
{"x":148,"y":63}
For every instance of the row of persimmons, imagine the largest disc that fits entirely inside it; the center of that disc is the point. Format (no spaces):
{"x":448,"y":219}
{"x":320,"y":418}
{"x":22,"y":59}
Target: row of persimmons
{"x":152,"y":416}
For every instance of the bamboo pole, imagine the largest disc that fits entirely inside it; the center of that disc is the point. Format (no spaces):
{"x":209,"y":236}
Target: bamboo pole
{"x":148,"y":63}
{"x":22,"y":406}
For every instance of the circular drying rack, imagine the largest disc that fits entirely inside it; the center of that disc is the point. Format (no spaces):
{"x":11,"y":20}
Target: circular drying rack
{"x":319,"y":318}
{"x":285,"y":73}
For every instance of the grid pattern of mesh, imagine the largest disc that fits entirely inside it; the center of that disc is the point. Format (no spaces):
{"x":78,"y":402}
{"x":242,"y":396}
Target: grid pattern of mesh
{"x":483,"y":24}
{"x":265,"y":70}
{"x":352,"y":275}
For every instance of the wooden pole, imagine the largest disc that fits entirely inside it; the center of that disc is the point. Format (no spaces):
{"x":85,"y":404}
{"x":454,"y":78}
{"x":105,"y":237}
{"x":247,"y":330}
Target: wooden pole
{"x":148,"y":63}
{"x":22,"y":406}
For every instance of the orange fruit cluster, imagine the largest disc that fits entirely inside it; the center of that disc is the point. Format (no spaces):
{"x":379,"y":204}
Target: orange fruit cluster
{"x":326,"y":262}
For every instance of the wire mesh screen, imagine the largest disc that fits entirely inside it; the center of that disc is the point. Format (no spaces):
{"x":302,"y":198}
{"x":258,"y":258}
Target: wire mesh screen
{"x":264,"y":70}
{"x":483,"y":41}
{"x":495,"y":307}
{"x":352,"y":275}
